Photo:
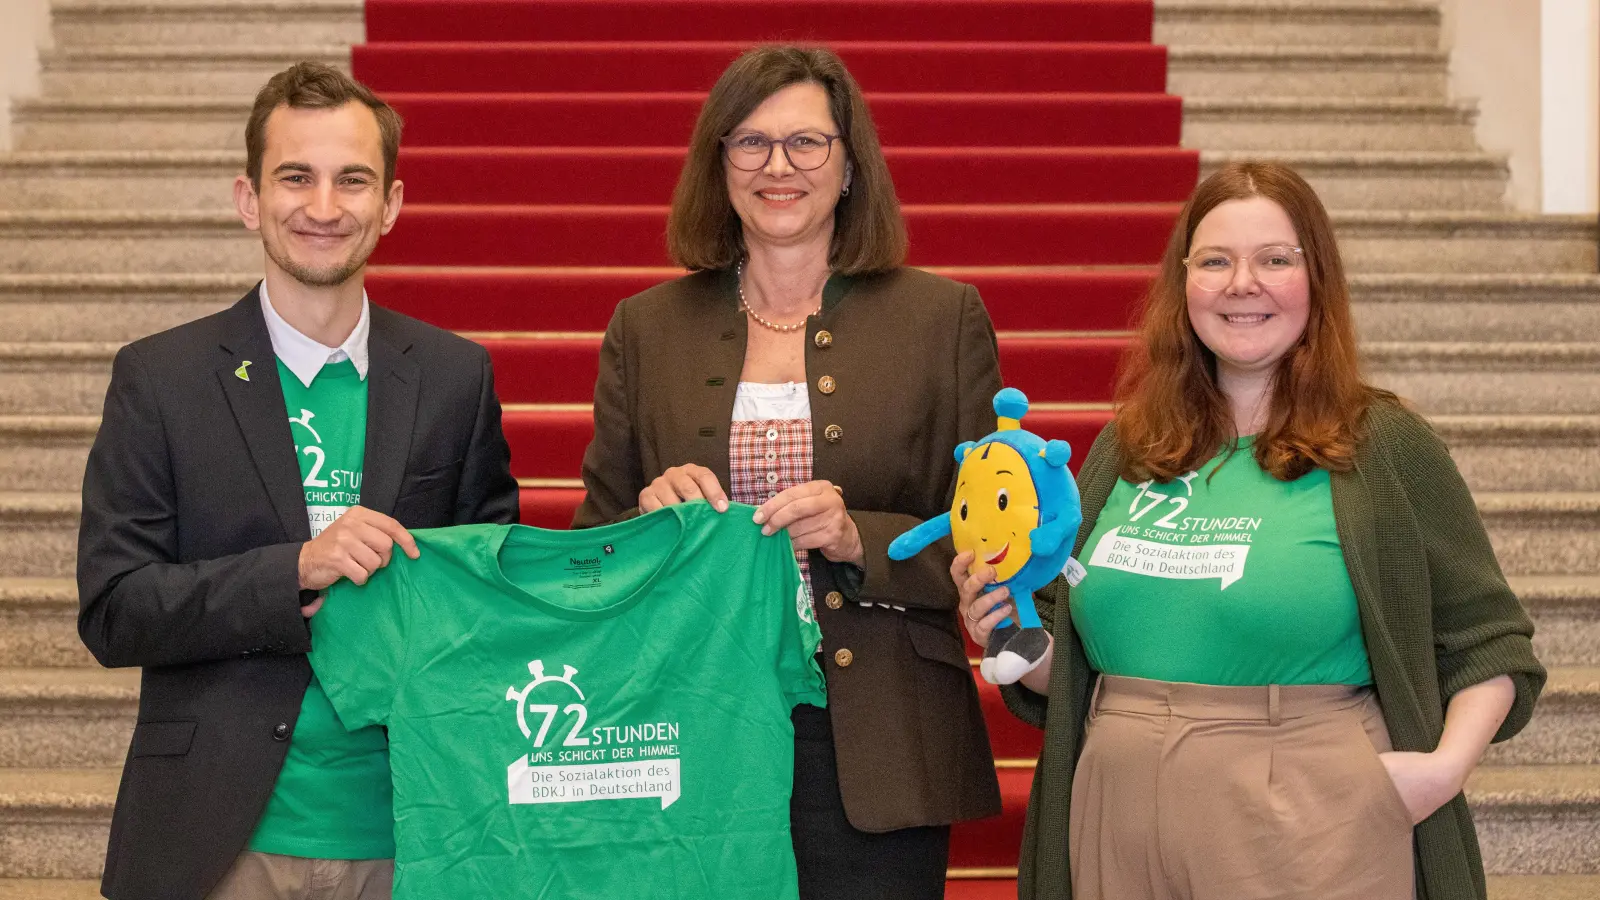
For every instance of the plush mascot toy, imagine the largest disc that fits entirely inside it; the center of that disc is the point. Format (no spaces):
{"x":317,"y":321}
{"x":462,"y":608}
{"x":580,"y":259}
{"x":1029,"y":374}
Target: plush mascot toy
{"x":1017,"y":508}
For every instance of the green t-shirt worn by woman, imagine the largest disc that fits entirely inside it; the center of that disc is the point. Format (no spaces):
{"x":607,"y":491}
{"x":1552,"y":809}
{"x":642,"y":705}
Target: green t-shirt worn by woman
{"x":1223,"y":576}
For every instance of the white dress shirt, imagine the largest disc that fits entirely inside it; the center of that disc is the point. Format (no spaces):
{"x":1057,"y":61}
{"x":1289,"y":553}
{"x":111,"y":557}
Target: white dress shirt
{"x":306,"y":357}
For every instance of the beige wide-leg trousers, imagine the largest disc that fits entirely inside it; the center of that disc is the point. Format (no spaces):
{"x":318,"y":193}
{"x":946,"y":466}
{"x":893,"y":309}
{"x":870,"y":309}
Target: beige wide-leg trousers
{"x":1199,"y":792}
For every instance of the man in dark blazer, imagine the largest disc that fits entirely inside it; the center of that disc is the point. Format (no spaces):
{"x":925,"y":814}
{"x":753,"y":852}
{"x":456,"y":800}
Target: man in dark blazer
{"x":198,"y":558}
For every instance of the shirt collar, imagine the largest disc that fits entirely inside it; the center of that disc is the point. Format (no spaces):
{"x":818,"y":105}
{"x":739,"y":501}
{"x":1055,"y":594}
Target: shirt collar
{"x":306,"y":357}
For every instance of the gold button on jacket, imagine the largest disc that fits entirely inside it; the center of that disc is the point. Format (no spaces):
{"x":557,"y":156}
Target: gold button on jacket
{"x":834,"y":600}
{"x":832,"y":434}
{"x":843,"y":657}
{"x":826,"y":384}
{"x":824,"y":339}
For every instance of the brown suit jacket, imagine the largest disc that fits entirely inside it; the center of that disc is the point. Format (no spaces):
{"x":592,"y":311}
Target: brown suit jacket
{"x":915,"y":364}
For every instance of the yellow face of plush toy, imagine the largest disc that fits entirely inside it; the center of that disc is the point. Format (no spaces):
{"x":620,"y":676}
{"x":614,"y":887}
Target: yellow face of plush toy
{"x":996,"y":509}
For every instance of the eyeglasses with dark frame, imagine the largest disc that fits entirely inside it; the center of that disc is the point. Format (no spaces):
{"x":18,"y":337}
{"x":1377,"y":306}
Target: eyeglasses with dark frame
{"x":807,"y":151}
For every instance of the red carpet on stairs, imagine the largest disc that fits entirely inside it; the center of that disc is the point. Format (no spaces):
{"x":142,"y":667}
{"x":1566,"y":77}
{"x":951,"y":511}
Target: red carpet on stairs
{"x":1032,"y":143}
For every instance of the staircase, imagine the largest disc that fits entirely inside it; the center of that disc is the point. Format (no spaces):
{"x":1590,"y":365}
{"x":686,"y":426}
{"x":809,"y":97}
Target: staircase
{"x":1037,"y":152}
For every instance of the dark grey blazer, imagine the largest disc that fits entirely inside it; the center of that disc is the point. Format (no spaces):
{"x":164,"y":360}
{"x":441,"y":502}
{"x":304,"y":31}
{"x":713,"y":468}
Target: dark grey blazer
{"x":913,"y":368}
{"x":188,"y":560}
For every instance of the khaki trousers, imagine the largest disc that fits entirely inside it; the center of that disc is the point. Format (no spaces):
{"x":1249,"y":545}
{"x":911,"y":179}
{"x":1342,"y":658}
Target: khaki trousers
{"x":1199,"y":792}
{"x":269,"y":876}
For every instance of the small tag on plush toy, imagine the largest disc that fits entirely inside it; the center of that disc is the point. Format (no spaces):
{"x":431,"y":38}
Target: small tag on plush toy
{"x":1073,"y":572}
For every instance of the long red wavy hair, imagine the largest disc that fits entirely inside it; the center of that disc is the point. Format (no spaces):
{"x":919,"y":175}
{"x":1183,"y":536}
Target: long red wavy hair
{"x":1171,"y":417}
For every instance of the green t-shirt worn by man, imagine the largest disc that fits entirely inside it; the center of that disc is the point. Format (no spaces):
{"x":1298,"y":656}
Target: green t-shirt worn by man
{"x":1224,"y":576}
{"x":333,"y":798}
{"x":594,"y":713}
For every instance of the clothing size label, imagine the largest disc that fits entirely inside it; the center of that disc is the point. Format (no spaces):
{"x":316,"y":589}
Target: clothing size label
{"x":582,"y":573}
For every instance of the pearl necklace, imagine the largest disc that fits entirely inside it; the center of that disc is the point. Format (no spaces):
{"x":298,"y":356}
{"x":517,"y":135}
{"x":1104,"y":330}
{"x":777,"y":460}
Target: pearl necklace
{"x":744,"y":307}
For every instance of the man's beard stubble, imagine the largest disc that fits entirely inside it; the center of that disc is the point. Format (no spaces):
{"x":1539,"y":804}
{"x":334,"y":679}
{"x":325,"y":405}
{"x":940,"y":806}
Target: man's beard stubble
{"x":320,"y":277}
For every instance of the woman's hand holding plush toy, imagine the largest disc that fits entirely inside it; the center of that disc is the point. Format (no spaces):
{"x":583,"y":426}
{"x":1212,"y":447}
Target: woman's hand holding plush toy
{"x":982,"y":612}
{"x":816,"y":517}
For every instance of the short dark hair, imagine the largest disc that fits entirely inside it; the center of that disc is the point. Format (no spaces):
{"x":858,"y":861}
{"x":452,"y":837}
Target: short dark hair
{"x":704,"y":232}
{"x":312,"y":85}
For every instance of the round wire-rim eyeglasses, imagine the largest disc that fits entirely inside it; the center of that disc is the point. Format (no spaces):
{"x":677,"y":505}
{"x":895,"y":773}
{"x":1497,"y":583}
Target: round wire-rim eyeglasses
{"x":1270,"y":265}
{"x":741,"y":149}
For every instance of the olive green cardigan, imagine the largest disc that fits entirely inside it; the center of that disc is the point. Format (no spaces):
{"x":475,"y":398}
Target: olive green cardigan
{"x":1436,"y":615}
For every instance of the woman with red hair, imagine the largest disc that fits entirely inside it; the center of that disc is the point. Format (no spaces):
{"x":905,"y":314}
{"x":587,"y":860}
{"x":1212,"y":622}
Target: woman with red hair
{"x":1294,"y":642}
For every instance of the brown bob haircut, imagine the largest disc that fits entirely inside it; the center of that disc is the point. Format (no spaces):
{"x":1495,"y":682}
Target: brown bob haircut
{"x":311,"y":85}
{"x":1171,"y":416}
{"x":703,"y":232}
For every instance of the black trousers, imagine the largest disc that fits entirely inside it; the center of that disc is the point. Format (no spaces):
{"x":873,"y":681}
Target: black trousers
{"x":839,"y":862}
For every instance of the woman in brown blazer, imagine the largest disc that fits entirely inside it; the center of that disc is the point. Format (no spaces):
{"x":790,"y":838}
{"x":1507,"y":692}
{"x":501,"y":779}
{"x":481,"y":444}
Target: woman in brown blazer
{"x":802,"y":368}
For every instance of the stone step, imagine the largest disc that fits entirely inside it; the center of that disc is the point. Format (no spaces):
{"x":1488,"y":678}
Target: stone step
{"x":66,"y":717}
{"x":94,"y":71}
{"x":216,"y":23}
{"x":1537,"y":820}
{"x":1445,"y":242}
{"x":112,"y":180}
{"x":1239,"y":70}
{"x":1388,"y":306}
{"x":1393,"y":180}
{"x":1460,"y":378}
{"x":39,"y":535}
{"x":1313,"y":23}
{"x":1441,"y":307}
{"x":39,"y":624}
{"x":1566,"y":615}
{"x":44,"y":452}
{"x":1524,"y":453}
{"x":1428,"y":241}
{"x":41,"y":378}
{"x":114,"y":307}
{"x":130,"y":123}
{"x":1531,"y":819}
{"x":55,"y":823}
{"x":1543,"y":533}
{"x":1501,"y":887}
{"x":100,"y":241}
{"x":1261,"y":124}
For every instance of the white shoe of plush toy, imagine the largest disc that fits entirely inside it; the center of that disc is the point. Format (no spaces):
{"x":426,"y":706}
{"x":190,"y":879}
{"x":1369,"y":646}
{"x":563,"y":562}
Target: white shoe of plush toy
{"x":986,"y":669}
{"x":1007,"y":668}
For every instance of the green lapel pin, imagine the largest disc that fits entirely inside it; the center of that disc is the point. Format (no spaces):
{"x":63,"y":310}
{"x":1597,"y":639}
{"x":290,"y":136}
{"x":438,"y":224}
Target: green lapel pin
{"x":242,"y":371}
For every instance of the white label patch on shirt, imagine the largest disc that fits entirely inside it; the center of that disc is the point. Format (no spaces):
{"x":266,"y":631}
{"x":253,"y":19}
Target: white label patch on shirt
{"x":608,"y":762}
{"x":1160,"y":542}
{"x":1158,"y":560}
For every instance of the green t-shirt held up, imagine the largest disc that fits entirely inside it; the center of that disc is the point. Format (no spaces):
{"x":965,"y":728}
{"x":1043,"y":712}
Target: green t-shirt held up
{"x":1224,"y":576}
{"x":333,"y":798}
{"x":593,"y":713}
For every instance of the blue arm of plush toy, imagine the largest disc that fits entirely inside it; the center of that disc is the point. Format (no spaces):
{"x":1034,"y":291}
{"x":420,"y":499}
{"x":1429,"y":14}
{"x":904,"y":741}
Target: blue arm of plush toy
{"x":912,"y":542}
{"x":1047,"y":538}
